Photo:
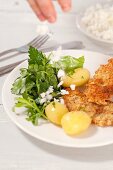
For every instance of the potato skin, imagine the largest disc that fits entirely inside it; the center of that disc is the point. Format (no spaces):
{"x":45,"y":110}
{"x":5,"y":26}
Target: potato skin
{"x":75,"y":122}
{"x":79,"y":77}
{"x":55,"y":111}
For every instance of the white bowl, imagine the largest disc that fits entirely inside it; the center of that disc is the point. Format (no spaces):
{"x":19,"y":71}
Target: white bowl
{"x":83,"y":29}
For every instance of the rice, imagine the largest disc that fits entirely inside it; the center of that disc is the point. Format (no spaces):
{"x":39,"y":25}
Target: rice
{"x":98,"y":21}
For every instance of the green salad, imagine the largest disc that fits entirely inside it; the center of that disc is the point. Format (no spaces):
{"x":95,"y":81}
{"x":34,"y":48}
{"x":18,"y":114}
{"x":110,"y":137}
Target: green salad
{"x":38,"y":85}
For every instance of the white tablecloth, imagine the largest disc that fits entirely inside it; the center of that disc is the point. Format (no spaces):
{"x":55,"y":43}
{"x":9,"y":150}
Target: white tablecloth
{"x":19,"y":151}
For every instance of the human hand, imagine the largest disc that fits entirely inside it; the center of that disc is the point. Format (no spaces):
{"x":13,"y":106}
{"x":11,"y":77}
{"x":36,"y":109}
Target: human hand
{"x":45,"y":10}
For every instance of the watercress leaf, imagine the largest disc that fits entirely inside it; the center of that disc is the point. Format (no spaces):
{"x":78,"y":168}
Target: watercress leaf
{"x":18,"y":86}
{"x":23,"y":72}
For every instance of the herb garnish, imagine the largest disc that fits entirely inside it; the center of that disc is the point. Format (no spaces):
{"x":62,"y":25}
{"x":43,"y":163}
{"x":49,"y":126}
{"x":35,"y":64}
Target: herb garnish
{"x":37,"y":79}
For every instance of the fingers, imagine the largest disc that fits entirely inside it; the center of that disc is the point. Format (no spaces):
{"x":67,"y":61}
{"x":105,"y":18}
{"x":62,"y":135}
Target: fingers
{"x":36,"y":9}
{"x":47,"y":9}
{"x":65,"y":5}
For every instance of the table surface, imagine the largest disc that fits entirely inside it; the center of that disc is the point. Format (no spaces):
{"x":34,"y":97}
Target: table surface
{"x":18,"y":151}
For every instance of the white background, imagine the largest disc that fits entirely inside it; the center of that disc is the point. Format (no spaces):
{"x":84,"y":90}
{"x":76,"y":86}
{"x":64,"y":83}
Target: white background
{"x":19,"y":151}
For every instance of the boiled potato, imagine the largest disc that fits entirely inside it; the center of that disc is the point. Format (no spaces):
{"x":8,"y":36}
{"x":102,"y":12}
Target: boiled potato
{"x":54,"y":112}
{"x":79,"y":77}
{"x":75,"y":122}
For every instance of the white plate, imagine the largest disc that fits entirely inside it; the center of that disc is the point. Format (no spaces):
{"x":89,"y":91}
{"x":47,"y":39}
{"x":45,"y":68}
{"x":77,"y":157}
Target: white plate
{"x":95,"y":136}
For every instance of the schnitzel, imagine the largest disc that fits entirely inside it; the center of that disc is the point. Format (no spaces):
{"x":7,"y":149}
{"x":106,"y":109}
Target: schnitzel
{"x":95,"y":98}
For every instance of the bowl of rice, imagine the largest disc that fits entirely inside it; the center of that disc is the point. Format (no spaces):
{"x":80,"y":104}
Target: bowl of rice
{"x":96,"y":22}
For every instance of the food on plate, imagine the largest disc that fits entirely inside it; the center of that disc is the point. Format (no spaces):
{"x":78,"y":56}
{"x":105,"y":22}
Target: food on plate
{"x":77,"y":101}
{"x":78,"y":78}
{"x":98,"y":94}
{"x":75,"y":122}
{"x":101,"y":115}
{"x":69,"y":64}
{"x":105,"y":73}
{"x":96,"y":97}
{"x":40,"y":84}
{"x":98,"y":20}
{"x":100,"y":88}
{"x":103,"y":119}
{"x":55,"y":111}
{"x":62,"y":92}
